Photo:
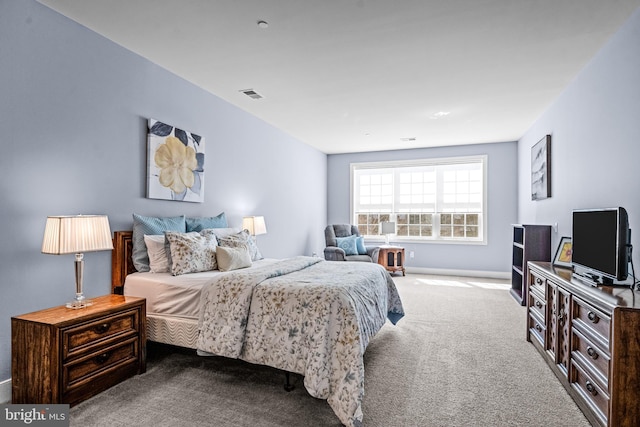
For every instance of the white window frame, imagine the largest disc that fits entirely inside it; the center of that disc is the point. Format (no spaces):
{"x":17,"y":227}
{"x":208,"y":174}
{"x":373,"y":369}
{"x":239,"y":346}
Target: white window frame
{"x":481,"y":159}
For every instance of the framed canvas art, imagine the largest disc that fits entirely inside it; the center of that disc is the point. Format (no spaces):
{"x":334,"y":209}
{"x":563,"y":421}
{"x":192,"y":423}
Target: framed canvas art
{"x":541,"y":169}
{"x":175,"y":163}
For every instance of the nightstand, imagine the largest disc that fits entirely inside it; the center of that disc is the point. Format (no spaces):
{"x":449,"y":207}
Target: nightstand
{"x":391,"y":258}
{"x":62,"y":355}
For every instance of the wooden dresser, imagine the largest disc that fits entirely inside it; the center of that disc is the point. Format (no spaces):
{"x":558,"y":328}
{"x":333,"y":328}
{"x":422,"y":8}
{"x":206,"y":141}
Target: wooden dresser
{"x":62,"y":355}
{"x":590,"y":338}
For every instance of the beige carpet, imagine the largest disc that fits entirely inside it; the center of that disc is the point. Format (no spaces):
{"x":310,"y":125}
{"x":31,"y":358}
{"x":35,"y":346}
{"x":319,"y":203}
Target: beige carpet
{"x":458,"y":358}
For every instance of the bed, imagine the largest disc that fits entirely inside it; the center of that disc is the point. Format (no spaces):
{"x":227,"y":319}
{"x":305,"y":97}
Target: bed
{"x":303,"y":315}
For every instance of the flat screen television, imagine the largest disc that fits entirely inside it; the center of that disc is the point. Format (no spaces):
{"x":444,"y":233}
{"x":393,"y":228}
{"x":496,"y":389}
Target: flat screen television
{"x":600,"y":245}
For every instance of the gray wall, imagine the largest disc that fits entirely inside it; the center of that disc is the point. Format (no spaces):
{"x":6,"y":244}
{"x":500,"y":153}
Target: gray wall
{"x":595,"y":140}
{"x":73,"y":110}
{"x":501,"y":188}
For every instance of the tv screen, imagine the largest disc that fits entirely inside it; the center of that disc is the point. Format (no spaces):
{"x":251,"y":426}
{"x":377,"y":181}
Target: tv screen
{"x":599,"y":244}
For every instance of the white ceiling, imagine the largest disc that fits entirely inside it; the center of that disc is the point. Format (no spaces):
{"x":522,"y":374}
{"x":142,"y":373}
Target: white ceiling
{"x":362,"y":75}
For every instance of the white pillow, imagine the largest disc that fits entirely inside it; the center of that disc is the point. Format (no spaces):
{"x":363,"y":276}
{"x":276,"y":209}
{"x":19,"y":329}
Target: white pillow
{"x":158,"y":260}
{"x":232,"y":258}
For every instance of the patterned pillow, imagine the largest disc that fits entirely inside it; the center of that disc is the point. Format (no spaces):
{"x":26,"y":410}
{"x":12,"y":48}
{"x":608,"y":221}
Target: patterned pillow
{"x":242,"y":238}
{"x":233,"y":258}
{"x":192,"y":252}
{"x":224,"y":232}
{"x":348,"y":244}
{"x":151,"y":225}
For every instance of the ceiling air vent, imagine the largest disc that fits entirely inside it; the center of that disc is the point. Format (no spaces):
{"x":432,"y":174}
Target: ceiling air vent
{"x":252,"y":94}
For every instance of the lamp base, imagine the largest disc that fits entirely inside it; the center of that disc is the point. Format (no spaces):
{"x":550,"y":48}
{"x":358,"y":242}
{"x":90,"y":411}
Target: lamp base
{"x":79,"y":304}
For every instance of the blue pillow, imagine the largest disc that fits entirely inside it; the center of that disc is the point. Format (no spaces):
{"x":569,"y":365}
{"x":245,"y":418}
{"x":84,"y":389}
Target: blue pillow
{"x":151,"y":225}
{"x":199,"y":224}
{"x":362,"y":250}
{"x":348,"y":244}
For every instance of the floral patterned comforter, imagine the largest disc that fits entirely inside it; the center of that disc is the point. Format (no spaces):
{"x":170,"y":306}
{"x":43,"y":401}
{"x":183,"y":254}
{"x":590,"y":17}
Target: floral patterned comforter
{"x":303,"y":315}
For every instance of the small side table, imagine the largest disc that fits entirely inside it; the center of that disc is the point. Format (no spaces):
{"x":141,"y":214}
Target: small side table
{"x":391,"y":258}
{"x":62,"y":355}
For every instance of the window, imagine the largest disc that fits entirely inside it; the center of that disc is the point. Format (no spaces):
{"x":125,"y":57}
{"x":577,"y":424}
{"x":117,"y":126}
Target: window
{"x":430,"y":199}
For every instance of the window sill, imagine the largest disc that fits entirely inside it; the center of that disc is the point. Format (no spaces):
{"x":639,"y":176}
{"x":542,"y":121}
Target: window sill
{"x":425,"y":241}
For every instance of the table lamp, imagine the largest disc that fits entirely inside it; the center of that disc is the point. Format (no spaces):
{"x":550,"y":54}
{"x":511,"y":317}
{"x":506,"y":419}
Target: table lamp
{"x":388,"y":227}
{"x":76,"y":235}
{"x":254,"y":225}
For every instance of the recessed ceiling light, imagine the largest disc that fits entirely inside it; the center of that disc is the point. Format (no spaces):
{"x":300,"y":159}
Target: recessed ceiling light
{"x":263,"y":24}
{"x":439,"y":114}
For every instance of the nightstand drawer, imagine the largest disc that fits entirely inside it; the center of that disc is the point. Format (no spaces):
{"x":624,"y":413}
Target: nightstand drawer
{"x":99,"y":331}
{"x":111,"y":358}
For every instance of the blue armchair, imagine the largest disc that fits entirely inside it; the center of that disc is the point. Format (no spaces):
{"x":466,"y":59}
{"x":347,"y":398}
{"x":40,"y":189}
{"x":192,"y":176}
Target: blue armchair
{"x":335,"y":253}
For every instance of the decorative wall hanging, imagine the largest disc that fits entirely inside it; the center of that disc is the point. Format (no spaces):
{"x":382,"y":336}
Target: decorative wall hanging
{"x":541,"y":169}
{"x":175,"y":164}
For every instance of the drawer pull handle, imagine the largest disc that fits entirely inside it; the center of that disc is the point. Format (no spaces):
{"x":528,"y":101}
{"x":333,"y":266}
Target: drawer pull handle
{"x":100,"y":359}
{"x":591,"y":352}
{"x":593,"y":317}
{"x":101,"y":329}
{"x":538,"y":328}
{"x":538,"y":304}
{"x":538,"y":281}
{"x":561,"y":319}
{"x":591,"y":388}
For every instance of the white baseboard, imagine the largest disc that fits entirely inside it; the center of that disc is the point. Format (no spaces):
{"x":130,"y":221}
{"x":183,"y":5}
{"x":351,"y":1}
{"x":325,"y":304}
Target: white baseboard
{"x":5,"y":391}
{"x":464,"y":273}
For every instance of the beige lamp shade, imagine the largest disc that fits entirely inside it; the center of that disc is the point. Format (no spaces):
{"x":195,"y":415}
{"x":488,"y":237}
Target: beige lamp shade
{"x":254,"y":225}
{"x":76,"y":234}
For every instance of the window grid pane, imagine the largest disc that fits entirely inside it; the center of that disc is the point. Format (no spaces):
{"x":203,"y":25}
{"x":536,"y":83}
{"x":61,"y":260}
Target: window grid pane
{"x":460,"y":225}
{"x":432,"y":201}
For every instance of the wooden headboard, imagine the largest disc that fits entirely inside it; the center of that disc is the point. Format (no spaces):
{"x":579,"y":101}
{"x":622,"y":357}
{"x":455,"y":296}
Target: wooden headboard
{"x":121,"y":262}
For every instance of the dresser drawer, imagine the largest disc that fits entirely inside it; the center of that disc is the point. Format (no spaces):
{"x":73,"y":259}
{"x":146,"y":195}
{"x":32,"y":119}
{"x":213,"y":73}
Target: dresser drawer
{"x":537,"y":304}
{"x":80,"y":338}
{"x":86,"y":368}
{"x":596,"y":398}
{"x":536,"y":328}
{"x":591,"y":321}
{"x":538,"y":284}
{"x":595,"y":360}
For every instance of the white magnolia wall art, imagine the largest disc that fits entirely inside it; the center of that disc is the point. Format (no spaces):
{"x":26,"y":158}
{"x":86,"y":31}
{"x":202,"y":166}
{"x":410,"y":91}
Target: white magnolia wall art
{"x":175,"y":164}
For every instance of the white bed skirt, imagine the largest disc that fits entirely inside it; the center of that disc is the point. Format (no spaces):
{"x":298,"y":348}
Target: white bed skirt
{"x":172,"y":330}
